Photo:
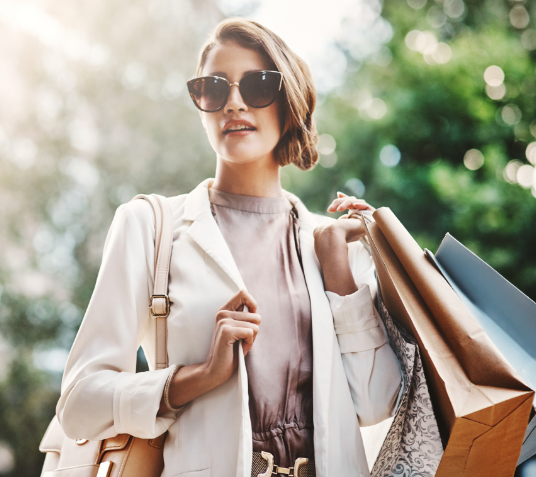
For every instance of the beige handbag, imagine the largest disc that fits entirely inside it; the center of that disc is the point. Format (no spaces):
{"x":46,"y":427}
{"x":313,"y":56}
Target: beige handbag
{"x":122,"y":455}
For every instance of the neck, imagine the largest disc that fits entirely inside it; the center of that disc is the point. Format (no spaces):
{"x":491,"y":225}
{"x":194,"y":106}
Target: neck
{"x":258,"y":178}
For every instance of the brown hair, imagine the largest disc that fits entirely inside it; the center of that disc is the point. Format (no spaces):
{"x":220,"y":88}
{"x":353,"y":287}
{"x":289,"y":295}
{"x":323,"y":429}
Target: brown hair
{"x":298,"y":136}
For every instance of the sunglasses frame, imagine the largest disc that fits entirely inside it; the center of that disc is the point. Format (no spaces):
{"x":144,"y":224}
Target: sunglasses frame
{"x":202,"y":78}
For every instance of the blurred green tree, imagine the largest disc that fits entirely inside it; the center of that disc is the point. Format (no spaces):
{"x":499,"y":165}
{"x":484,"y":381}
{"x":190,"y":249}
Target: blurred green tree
{"x":424,"y":127}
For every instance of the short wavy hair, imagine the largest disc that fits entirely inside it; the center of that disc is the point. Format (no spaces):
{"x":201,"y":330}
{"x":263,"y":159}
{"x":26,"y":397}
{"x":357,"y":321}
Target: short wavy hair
{"x":298,"y":135}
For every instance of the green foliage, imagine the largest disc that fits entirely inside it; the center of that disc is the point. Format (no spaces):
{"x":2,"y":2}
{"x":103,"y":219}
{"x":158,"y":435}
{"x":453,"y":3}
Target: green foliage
{"x":435,"y":114}
{"x":27,"y":399}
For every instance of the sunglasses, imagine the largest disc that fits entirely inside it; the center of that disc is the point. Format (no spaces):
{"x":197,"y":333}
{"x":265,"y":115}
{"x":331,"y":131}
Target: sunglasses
{"x":258,"y":90}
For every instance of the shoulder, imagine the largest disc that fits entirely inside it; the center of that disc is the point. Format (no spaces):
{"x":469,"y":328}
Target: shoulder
{"x":141,"y":211}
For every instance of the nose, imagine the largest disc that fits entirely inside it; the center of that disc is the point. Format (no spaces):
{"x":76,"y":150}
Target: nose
{"x":235,"y":102}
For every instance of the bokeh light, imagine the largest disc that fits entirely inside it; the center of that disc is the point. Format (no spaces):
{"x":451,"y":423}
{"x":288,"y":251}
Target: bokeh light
{"x":436,"y":16}
{"x":511,"y":114}
{"x":7,"y":459}
{"x":416,"y":4}
{"x":454,"y":8}
{"x":525,"y":176}
{"x":326,"y":147}
{"x":494,"y":75}
{"x":528,"y":39}
{"x":390,"y":155}
{"x":519,"y":17}
{"x":416,"y":40}
{"x":326,"y":144}
{"x":531,"y":153}
{"x":434,"y":52}
{"x":510,"y":171}
{"x":355,"y":186}
{"x":328,"y":160}
{"x":376,"y":108}
{"x":496,"y":92}
{"x":473,"y":159}
{"x":442,"y":53}
{"x":532,"y":128}
{"x":369,"y":107}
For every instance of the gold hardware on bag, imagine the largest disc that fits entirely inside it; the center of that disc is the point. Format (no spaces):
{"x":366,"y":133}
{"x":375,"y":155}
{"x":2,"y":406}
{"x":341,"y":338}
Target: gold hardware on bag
{"x":105,"y":469}
{"x":152,"y":307}
{"x":81,"y":442}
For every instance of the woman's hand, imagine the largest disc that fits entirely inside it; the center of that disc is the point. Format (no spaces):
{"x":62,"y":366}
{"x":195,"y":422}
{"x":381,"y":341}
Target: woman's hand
{"x":331,"y":243}
{"x":343,"y":202}
{"x":232,"y":324}
{"x":349,"y":226}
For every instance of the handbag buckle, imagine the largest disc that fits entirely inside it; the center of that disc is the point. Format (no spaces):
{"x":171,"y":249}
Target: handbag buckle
{"x":159,"y":306}
{"x":105,"y":469}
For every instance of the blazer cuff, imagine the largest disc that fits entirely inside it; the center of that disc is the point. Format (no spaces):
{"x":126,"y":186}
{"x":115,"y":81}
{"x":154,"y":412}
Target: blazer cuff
{"x":355,"y":322}
{"x":136,"y":402}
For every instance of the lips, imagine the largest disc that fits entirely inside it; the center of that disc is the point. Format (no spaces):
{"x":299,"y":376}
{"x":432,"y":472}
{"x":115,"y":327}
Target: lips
{"x":238,"y":126}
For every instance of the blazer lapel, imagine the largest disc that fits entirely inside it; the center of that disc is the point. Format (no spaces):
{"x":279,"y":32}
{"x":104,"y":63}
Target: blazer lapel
{"x":323,"y":332}
{"x":206,"y":233}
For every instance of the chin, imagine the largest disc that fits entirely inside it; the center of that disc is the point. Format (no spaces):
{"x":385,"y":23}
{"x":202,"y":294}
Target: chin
{"x":242,"y":155}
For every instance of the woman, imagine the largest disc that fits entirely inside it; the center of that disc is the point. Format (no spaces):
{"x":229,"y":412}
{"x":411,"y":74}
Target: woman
{"x":315,"y":363}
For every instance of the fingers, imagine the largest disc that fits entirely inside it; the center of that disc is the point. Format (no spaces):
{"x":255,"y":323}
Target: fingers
{"x":233,"y":324}
{"x":346,"y":202}
{"x":349,"y":216}
{"x":231,"y":331}
{"x":239,"y":316}
{"x":241,"y":299}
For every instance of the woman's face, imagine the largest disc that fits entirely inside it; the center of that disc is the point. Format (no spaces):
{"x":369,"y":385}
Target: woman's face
{"x":231,"y":61}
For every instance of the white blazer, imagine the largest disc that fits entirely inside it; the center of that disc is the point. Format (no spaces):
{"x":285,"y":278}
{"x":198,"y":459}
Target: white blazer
{"x":356,"y":377}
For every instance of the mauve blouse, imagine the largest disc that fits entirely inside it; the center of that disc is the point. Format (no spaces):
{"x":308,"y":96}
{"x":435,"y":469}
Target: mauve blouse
{"x":262,"y":235}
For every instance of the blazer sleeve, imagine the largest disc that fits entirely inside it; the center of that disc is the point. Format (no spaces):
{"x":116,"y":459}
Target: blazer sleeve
{"x":101,"y":394}
{"x":371,"y":367}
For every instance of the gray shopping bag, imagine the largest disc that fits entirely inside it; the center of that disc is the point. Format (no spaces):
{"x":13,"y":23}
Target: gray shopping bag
{"x":413,"y":444}
{"x":506,"y":314}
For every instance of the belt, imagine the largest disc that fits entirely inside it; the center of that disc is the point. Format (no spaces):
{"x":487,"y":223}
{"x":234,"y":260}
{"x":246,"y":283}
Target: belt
{"x":263,"y":466}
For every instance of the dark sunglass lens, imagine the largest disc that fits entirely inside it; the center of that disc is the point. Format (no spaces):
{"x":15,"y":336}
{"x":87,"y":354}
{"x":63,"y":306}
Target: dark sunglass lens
{"x":259,"y":89}
{"x":210,"y":94}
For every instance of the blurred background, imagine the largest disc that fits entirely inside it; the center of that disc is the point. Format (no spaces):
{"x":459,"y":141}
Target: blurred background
{"x":425,"y":106}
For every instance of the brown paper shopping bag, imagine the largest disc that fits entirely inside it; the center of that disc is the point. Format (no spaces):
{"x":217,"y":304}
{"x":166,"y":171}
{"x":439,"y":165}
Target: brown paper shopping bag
{"x":481,"y":405}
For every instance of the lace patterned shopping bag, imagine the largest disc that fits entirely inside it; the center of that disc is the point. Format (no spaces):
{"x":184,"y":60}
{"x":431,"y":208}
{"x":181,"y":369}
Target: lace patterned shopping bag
{"x":413,"y":445}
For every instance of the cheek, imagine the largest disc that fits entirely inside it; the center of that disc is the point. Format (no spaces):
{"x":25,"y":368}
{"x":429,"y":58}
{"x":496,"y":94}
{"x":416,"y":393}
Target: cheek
{"x":273,"y":122}
{"x":211,"y":125}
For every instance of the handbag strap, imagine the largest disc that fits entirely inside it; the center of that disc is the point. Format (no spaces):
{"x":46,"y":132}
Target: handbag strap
{"x":163,"y":241}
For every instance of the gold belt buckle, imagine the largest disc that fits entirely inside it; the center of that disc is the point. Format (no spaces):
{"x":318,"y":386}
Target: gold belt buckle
{"x":275,"y":469}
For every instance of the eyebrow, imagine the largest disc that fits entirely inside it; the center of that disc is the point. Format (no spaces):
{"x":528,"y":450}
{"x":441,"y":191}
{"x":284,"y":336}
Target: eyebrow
{"x":224,"y":75}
